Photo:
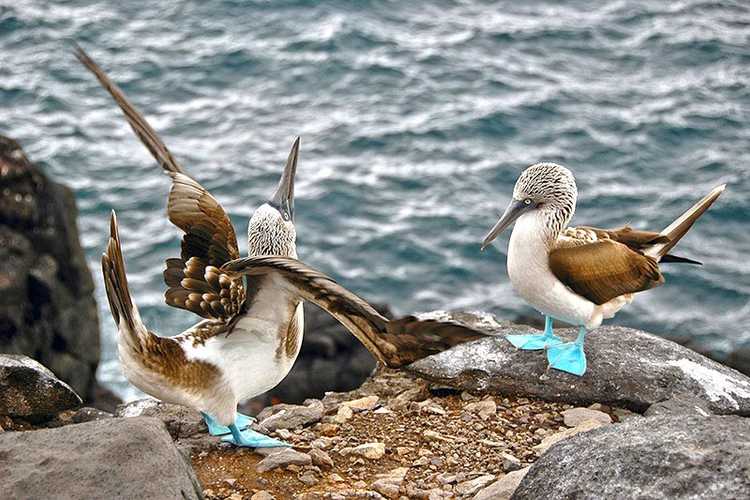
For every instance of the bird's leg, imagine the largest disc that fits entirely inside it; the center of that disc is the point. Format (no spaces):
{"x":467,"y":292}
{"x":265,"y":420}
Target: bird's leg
{"x":251,"y":439}
{"x":216,"y":429}
{"x":531,"y":342}
{"x":569,"y":357}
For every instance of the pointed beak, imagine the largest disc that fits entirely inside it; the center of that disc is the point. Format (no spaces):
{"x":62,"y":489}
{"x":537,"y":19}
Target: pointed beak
{"x":283,"y":198}
{"x":513,"y":212}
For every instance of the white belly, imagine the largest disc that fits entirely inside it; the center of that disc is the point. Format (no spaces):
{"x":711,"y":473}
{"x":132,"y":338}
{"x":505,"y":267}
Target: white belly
{"x":532,"y":279}
{"x":251,"y":358}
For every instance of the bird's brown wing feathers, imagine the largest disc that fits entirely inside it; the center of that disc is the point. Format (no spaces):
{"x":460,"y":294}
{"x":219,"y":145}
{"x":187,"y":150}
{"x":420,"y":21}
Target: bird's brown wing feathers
{"x":394,"y":343}
{"x":632,"y":238}
{"x":194,"y":281}
{"x":603,"y":270}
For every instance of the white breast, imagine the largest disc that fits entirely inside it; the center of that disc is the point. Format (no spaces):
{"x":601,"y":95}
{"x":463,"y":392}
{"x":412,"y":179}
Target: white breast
{"x":532,"y":279}
{"x":250,"y":357}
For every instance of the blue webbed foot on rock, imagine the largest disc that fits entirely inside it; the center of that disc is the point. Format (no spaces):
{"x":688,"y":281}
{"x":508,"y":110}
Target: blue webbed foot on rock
{"x":251,"y":439}
{"x":216,"y":429}
{"x":533,"y":342}
{"x":569,"y":357}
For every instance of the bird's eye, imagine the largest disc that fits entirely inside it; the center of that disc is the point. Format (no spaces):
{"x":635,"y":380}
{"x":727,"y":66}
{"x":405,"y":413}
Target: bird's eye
{"x":527,"y":201}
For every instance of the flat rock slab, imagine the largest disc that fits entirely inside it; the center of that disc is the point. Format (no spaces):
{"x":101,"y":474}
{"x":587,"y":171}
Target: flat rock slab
{"x":181,"y":421}
{"x":661,"y":457}
{"x":114,"y":458}
{"x":28,"y":389}
{"x":626,"y":368}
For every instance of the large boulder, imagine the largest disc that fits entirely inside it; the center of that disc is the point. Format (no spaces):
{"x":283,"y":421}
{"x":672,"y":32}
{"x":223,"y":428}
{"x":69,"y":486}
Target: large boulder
{"x":112,"y":458}
{"x":627,"y":368}
{"x":47,"y":308}
{"x":660,"y":457}
{"x":29,"y":390}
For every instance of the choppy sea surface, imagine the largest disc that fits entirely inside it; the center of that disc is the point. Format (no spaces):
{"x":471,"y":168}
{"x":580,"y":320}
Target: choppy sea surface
{"x":416,"y":118}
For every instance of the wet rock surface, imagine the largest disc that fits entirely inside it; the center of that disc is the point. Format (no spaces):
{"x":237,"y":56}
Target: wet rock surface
{"x":113,"y":458}
{"x":659,"y":457}
{"x":47,"y":308}
{"x":29,"y":390}
{"x":626,"y":368}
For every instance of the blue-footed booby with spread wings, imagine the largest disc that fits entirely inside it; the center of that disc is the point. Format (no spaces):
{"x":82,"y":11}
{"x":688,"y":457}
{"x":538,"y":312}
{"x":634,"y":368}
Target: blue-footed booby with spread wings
{"x":252,"y":331}
{"x":250,"y":338}
{"x":578,"y":275}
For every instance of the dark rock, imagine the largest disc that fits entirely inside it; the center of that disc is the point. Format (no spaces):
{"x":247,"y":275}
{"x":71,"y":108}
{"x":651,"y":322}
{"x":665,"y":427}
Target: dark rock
{"x":47,"y":308}
{"x":626,"y":368}
{"x":113,"y":458}
{"x":659,"y":457}
{"x":181,"y":421}
{"x":29,"y":390}
{"x":104,"y":399}
{"x":331,"y":359}
{"x":739,"y":359}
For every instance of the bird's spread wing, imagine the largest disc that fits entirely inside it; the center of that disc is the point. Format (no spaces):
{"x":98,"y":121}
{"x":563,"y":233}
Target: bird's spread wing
{"x":194,"y":281}
{"x":394,"y":343}
{"x":603,"y":269}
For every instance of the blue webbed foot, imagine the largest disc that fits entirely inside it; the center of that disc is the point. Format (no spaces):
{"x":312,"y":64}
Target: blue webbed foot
{"x":535,"y":341}
{"x":251,"y":439}
{"x":569,"y":357}
{"x":216,"y":429}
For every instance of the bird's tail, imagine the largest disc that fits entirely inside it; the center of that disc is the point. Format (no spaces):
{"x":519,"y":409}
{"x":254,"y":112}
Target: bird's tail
{"x":124,"y":311}
{"x":137,"y":122}
{"x":677,"y":229}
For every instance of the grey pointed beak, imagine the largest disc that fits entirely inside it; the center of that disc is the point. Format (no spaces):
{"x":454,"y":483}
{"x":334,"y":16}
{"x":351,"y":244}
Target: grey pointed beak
{"x":515,"y":209}
{"x":283,"y":198}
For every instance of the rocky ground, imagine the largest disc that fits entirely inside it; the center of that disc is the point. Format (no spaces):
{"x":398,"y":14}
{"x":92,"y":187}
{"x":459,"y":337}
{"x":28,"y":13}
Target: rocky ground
{"x":480,"y":421}
{"x":397,"y":435}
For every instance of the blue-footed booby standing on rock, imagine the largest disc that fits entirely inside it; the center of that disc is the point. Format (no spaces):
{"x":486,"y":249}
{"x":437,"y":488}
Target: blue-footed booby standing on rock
{"x":578,"y":275}
{"x":251,"y":332}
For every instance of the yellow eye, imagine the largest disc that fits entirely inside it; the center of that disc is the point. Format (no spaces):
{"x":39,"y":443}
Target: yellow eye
{"x":527,"y":201}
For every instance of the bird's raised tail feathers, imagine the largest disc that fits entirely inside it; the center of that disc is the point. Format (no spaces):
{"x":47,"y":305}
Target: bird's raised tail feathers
{"x":394,"y":343}
{"x":124,"y":312}
{"x":677,"y":229}
{"x":137,"y":122}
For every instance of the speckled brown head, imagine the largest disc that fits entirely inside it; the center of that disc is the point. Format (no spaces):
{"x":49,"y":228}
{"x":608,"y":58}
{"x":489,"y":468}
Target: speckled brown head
{"x":543,"y":186}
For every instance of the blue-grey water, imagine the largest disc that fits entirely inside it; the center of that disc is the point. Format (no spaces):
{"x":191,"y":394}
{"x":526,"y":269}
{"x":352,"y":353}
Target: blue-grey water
{"x":416,"y":119}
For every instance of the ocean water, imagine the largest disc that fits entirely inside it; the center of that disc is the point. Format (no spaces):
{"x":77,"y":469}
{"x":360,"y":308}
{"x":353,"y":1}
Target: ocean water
{"x":416,"y":118}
